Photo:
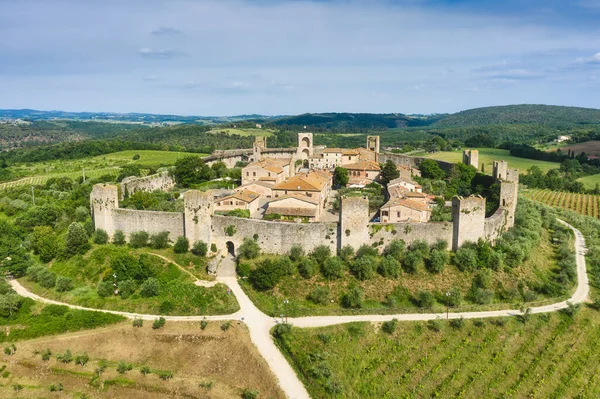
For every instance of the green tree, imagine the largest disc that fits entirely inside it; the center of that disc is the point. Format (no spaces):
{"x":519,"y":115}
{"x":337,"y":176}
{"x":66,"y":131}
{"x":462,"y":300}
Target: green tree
{"x":296,"y":252}
{"x":363,"y":268}
{"x":126,"y":288}
{"x":43,"y":243}
{"x":77,"y":241}
{"x":64,"y":284}
{"x":389,"y":172}
{"x":430,"y":169}
{"x":396,"y":249}
{"x":389,"y":267}
{"x":340,"y":177}
{"x":182,"y":245}
{"x":119,"y":238}
{"x":321,"y":253}
{"x":333,"y":268}
{"x":105,"y":289}
{"x":191,"y":170}
{"x":249,"y":249}
{"x":200,"y":248}
{"x":437,"y":261}
{"x":100,"y":237}
{"x":159,"y":240}
{"x":138,"y":239}
{"x":307,"y":267}
{"x":466,"y":259}
{"x":353,"y":298}
{"x":150,"y":288}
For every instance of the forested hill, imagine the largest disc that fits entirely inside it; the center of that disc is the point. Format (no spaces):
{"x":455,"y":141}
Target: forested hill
{"x":522,"y":115}
{"x":350,"y":122}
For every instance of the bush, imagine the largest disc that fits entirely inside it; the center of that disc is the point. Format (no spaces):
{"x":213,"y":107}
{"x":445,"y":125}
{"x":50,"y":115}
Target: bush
{"x":182,"y":245}
{"x":321,"y":253}
{"x":105,"y":289}
{"x":347,"y":253}
{"x":319,"y":295}
{"x":200,"y":248}
{"x":150,"y":288}
{"x":266,"y":276}
{"x":437,"y":261}
{"x":353,"y":298}
{"x":412,"y":262}
{"x":425,"y":299}
{"x":389,"y":326}
{"x":308,"y":267}
{"x":159,"y":240}
{"x":296,"y":252}
{"x":82,"y":359}
{"x":250,"y":394}
{"x":286,"y":266}
{"x":158,"y":323}
{"x":166,"y":307}
{"x":119,"y":238}
{"x":466,"y":259}
{"x":396,"y":249}
{"x":46,"y":354}
{"x":454,"y":298}
{"x":77,"y":241}
{"x":281,"y":329}
{"x":363,"y":268}
{"x":100,"y":237}
{"x":440,"y":245}
{"x":46,"y":278}
{"x":333,"y":268}
{"x":420,"y":247}
{"x":483,"y":279}
{"x":203,"y":324}
{"x":366,"y":250}
{"x":165,"y":375}
{"x":389,"y":267}
{"x":126,"y":288}
{"x":139,"y":239}
{"x":66,"y":357}
{"x":435,"y":325}
{"x":145,"y":370}
{"x":64,"y":284}
{"x":482,"y":296}
{"x":249,"y":249}
{"x":138,"y":322}
{"x":226,"y":325}
{"x":457,"y":324}
{"x":213,"y":247}
{"x":123,"y":367}
{"x":243,"y":269}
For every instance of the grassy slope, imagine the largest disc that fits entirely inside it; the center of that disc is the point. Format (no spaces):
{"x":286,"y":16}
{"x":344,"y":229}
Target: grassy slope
{"x":295,"y":289}
{"x":176,"y":287}
{"x":546,"y":357}
{"x":243,"y":132}
{"x":488,"y":155}
{"x":590,"y":181}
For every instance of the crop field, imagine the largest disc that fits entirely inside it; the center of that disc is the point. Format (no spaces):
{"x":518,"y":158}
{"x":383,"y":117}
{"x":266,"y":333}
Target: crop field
{"x":535,"y":356}
{"x":589,"y":147}
{"x":179,"y":360}
{"x":585,"y":204}
{"x":488,"y":155}
{"x":243,"y":132}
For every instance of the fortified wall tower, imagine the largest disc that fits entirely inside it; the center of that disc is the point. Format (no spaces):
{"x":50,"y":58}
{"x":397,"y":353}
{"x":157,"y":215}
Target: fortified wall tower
{"x":509,"y":192}
{"x":468,"y":215}
{"x":305,"y":145}
{"x":103,"y":200}
{"x":354,"y":222}
{"x":373,"y":143}
{"x":198,"y":209}
{"x":260,"y":143}
{"x":471,"y":157}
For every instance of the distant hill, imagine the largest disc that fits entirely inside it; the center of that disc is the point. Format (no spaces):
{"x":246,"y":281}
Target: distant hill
{"x":351,"y":122}
{"x":521,"y":115}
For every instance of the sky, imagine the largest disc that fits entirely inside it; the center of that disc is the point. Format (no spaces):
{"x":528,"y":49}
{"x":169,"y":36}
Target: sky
{"x":231,"y":57}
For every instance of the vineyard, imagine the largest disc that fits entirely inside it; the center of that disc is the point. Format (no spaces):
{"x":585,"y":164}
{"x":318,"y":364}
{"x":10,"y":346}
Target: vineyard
{"x":535,"y":356}
{"x":38,"y":180}
{"x":585,"y":204}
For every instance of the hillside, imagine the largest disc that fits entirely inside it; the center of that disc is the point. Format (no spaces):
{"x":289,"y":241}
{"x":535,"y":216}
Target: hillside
{"x":522,"y":114}
{"x":351,"y":122}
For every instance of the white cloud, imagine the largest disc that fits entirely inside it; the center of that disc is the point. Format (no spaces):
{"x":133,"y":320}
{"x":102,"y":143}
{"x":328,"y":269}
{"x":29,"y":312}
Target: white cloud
{"x":594,"y":59}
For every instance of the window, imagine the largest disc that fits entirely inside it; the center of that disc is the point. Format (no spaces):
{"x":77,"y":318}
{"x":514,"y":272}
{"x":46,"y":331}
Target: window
{"x":384,"y":213}
{"x":253,"y":173}
{"x":247,"y":174}
{"x":398,"y":214}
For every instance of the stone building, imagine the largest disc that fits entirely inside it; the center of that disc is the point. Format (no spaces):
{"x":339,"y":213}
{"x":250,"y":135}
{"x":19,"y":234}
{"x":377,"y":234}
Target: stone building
{"x":267,"y":170}
{"x":314,"y":184}
{"x":362,"y":173}
{"x":398,"y":210}
{"x":243,"y":199}
{"x":471,"y":157}
{"x":295,"y":207}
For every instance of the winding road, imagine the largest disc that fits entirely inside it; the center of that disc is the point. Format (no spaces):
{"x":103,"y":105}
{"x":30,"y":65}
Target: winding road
{"x":260,"y":324}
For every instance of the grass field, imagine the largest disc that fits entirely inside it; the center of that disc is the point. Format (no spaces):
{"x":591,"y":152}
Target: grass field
{"x":585,"y":204}
{"x":488,"y":155}
{"x":590,"y":181}
{"x":591,"y":147}
{"x":540,"y":356}
{"x":209,"y":363}
{"x":243,"y":132}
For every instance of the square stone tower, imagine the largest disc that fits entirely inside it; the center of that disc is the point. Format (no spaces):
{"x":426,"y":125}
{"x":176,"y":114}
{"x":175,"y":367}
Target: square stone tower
{"x":103,"y":199}
{"x":373,"y":143}
{"x":354,"y":219}
{"x":260,"y":143}
{"x":471,"y":157}
{"x":509,"y":193}
{"x":468,"y":215}
{"x":198,"y":210}
{"x":305,"y":145}
{"x":500,"y":169}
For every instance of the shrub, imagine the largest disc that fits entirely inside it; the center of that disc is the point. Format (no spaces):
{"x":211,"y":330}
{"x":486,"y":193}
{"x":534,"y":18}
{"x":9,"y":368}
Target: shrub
{"x":435,"y":325}
{"x":56,"y":388}
{"x":296,"y":252}
{"x":425,"y":299}
{"x":281,"y":329}
{"x":77,"y":241}
{"x":119,"y":238}
{"x":457,"y":324}
{"x":145,"y":370}
{"x":158,"y":323}
{"x":420,"y":247}
{"x":454,"y":298}
{"x":138,"y":239}
{"x":243,"y":269}
{"x":250,"y":394}
{"x":437,"y":261}
{"x":319,"y":295}
{"x":396,"y":249}
{"x":366,"y":250}
{"x":126,"y":288}
{"x":412,"y":262}
{"x":46,"y":278}
{"x":138,"y":322}
{"x":286,"y":266}
{"x":440,"y":245}
{"x":213,"y":247}
{"x":10,"y":350}
{"x":389,"y":267}
{"x":230,"y":230}
{"x":571,"y":309}
{"x":165,"y":375}
{"x":483,"y":279}
{"x":64,"y":284}
{"x":123,"y":367}
{"x":166,"y":307}
{"x":182,"y":245}
{"x":363,"y":268}
{"x":389,"y":327}
{"x":321,"y":253}
{"x":200,"y":248}
{"x":496,"y":260}
{"x":308,"y":267}
{"x":226,"y":325}
{"x":333,"y":268}
{"x":100,"y":237}
{"x":482,"y":296}
{"x":353,"y":298}
{"x":249,"y":249}
{"x":66,"y":357}
{"x":266,"y":276}
{"x":466,"y":259}
{"x":207,"y":384}
{"x":82,"y":359}
{"x":46,"y":354}
{"x":203,"y":324}
{"x":347,"y":252}
{"x":105,"y":289}
{"x":150,"y":288}
{"x":159,"y":240}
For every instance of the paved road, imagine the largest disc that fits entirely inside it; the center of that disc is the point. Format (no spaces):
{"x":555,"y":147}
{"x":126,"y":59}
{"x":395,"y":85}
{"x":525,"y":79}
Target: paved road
{"x":260,"y":324}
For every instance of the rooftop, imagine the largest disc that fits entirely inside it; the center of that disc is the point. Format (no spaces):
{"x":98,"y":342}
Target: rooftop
{"x":406,"y":203}
{"x":244,"y":195}
{"x":312,"y":181}
{"x":364,"y":165}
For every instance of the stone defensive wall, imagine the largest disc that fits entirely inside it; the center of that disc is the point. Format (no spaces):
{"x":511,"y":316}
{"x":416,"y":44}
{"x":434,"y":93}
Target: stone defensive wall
{"x":152,"y":222}
{"x":406,"y":160}
{"x":229,"y":157}
{"x":160,"y":181}
{"x":381,"y":234}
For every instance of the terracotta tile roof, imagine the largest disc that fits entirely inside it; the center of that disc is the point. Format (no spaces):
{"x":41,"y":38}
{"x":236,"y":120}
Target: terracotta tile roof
{"x":400,"y":180}
{"x":413,"y":194}
{"x":266,"y":184}
{"x":300,"y":197}
{"x":350,"y":152}
{"x":406,"y":203}
{"x":312,"y":181}
{"x":267,"y":164}
{"x":245,"y":195}
{"x":364,"y":165}
{"x":334,"y":150}
{"x":301,"y":212}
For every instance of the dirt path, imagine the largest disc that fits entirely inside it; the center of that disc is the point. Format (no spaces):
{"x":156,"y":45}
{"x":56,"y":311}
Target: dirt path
{"x":198,"y":282}
{"x":260,"y":324}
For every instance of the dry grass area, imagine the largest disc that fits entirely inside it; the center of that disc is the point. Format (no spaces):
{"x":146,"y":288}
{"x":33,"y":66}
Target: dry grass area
{"x":194,"y":356}
{"x":589,"y":147}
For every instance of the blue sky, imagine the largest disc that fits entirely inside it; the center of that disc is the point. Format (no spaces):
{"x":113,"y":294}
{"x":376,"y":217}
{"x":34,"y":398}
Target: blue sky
{"x":218,"y":57}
